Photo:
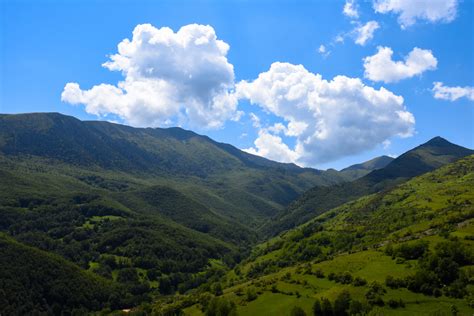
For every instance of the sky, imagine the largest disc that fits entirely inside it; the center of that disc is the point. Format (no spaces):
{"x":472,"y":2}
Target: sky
{"x":322,"y":84}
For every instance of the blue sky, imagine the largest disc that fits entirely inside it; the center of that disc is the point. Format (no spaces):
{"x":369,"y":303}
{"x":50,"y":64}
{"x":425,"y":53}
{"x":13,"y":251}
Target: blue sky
{"x":47,"y":44}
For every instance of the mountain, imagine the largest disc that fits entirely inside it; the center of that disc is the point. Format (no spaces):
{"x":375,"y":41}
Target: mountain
{"x":359,"y":170}
{"x":153,"y":210}
{"x":243,"y":186}
{"x":426,"y":157}
{"x":404,"y":250}
{"x":112,"y":146}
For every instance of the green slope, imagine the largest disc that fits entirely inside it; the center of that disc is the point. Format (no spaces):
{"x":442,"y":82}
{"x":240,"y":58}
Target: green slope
{"x":429,"y":156}
{"x":415,"y":241}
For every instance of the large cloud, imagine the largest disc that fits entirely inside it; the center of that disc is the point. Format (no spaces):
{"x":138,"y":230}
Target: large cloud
{"x":169,"y":78}
{"x":330,"y":119}
{"x":452,"y":93}
{"x":412,"y":10}
{"x":381,"y":67}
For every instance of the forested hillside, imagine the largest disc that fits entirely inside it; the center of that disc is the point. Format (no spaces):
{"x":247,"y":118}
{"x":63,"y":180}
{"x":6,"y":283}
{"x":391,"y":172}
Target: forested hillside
{"x":155,"y":211}
{"x":34,"y":280}
{"x":404,"y":251}
{"x":426,"y":157}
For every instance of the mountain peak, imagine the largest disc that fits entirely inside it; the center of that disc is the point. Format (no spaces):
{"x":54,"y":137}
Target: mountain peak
{"x":437,"y":141}
{"x":373,"y":164}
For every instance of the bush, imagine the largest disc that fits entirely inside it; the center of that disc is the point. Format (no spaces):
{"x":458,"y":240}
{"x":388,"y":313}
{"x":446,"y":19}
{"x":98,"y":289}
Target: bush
{"x":219,"y":306}
{"x":319,"y":273}
{"x":356,"y":308}
{"x":395,"y":304}
{"x":358,"y":281}
{"x":411,"y":251}
{"x":251,"y":294}
{"x":331,"y":276}
{"x":342,"y":303}
{"x":394,"y":283}
{"x":297,"y":311}
{"x":375,"y":293}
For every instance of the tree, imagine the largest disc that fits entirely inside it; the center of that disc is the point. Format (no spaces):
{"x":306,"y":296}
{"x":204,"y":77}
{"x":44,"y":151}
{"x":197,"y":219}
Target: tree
{"x":297,"y":311}
{"x":342,"y":303}
{"x":251,"y":294}
{"x":356,"y":308}
{"x":317,"y":310}
{"x":165,"y":286}
{"x":326,"y":307}
{"x":217,"y":289}
{"x":219,"y":306}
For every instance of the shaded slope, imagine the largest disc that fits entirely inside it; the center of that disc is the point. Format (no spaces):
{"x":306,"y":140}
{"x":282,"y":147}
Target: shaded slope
{"x":359,"y":170}
{"x":167,"y":202}
{"x":426,"y":157}
{"x":33,"y":280}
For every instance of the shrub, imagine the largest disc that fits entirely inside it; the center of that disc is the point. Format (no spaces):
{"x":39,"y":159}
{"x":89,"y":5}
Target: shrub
{"x":297,"y":311}
{"x":319,"y":273}
{"x":219,"y":306}
{"x":251,"y":294}
{"x":358,"y":281}
{"x":342,"y":303}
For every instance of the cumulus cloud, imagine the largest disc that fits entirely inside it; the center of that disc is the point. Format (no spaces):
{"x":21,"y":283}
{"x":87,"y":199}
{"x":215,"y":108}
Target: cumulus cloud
{"x":272,"y":147}
{"x":181,"y":77}
{"x":381,"y":67}
{"x":329,"y":119}
{"x":365,"y":32}
{"x":350,"y":9}
{"x":410,"y":11}
{"x":443,"y":92}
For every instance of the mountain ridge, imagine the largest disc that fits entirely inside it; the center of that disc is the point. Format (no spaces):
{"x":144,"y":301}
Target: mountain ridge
{"x":423,"y":158}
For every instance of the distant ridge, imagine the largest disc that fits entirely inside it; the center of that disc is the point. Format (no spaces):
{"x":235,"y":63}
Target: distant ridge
{"x":424,"y":158}
{"x":359,"y":170}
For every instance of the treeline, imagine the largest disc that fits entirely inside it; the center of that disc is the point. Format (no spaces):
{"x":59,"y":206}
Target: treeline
{"x":439,"y":272}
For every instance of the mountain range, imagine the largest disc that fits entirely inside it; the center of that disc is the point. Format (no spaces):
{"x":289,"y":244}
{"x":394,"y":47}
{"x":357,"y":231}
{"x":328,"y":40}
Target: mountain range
{"x":149,"y":212}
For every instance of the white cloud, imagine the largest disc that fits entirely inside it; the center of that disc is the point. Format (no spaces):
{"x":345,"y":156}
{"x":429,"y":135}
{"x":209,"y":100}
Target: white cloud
{"x":272,"y":147}
{"x":339,"y":38}
{"x":183,"y":78}
{"x":410,"y":11}
{"x":255,"y":120}
{"x":381,"y":67}
{"x":365,"y":32}
{"x":323,"y":51}
{"x":350,"y":9}
{"x":330,"y":119}
{"x":452,"y":93}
